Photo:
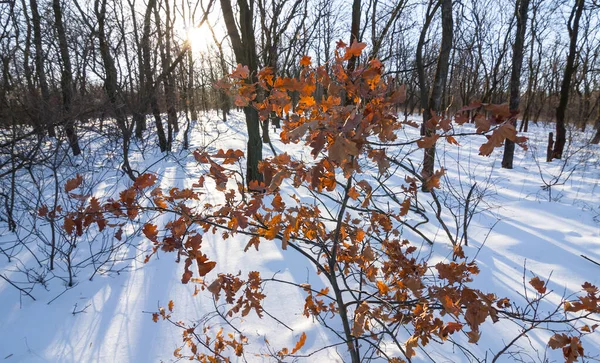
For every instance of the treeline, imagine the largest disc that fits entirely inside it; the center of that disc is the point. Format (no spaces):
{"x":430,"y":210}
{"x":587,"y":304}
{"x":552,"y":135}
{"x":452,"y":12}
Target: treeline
{"x":68,"y":61}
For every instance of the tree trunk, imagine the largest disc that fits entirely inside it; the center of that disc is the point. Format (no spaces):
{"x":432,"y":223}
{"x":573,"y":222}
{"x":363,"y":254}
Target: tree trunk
{"x":521,"y":9}
{"x":66,"y":79}
{"x":111,"y":85}
{"x":573,"y":27}
{"x":423,"y":87}
{"x":44,"y":112}
{"x":244,"y":48}
{"x":150,"y":89}
{"x":191,"y":93}
{"x":596,"y":138}
{"x":439,"y":83}
{"x":139,"y":112}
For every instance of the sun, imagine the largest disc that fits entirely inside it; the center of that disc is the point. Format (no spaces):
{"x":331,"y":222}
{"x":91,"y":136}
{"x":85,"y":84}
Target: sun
{"x":198,"y":37}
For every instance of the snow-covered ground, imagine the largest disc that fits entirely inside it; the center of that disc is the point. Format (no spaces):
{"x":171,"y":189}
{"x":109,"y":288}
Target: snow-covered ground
{"x":539,"y":218}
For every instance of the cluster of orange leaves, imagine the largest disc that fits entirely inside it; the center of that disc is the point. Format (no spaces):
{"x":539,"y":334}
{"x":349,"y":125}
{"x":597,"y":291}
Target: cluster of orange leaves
{"x":344,"y":125}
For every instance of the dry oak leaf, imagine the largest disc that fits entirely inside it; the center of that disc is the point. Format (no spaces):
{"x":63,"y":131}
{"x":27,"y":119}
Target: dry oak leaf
{"x":299,"y":344}
{"x":305,"y":61}
{"x":427,"y":142}
{"x":538,"y":285}
{"x":341,"y":149}
{"x":240,"y":72}
{"x":144,"y":181}
{"x":151,"y":232}
{"x":354,"y":50}
{"x":73,"y":183}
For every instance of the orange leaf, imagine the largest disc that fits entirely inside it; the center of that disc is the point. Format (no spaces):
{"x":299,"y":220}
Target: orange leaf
{"x":353,"y":193}
{"x":354,"y":50}
{"x":299,"y":344}
{"x":278,"y":203}
{"x":160,"y":202}
{"x":434,"y":180}
{"x":382,"y":287}
{"x":452,"y":140}
{"x":171,"y":305}
{"x":305,"y":61}
{"x":307,"y":101}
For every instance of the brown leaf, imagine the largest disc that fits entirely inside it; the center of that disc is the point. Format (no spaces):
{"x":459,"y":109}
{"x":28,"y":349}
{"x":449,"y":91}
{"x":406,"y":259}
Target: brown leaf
{"x":411,"y":344}
{"x":405,"y":207}
{"x":240,"y":72}
{"x":399,"y":95}
{"x":187,"y":275}
{"x":144,"y":181}
{"x":473,"y":336}
{"x":558,"y":341}
{"x":73,"y":183}
{"x":538,"y":285}
{"x":205,"y":266}
{"x":151,"y":232}
{"x":341,"y":150}
{"x":43,"y":211}
{"x":427,"y":142}
{"x":482,"y":124}
{"x":69,"y":225}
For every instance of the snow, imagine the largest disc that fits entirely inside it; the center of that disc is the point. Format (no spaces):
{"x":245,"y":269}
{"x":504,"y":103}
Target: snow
{"x":523,"y":226}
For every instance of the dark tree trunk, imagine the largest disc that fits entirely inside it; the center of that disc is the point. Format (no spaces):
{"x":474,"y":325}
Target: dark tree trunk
{"x":66,"y":79}
{"x":439,"y":83}
{"x":44,"y":112}
{"x":244,"y":48}
{"x":191,"y":94}
{"x":423,"y":87}
{"x":521,"y":9}
{"x":561,"y":131}
{"x":150,"y":89}
{"x":162,"y":38}
{"x":139,"y":112}
{"x":596,"y":138}
{"x":111,"y":86}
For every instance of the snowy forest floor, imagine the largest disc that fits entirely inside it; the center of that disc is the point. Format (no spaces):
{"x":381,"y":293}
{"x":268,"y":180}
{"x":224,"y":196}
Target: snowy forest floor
{"x":536,"y":219}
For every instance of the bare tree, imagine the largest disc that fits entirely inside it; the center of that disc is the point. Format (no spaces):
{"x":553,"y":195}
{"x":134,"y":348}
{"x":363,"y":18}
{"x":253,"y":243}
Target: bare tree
{"x":573,"y":28}
{"x":66,"y":78}
{"x":244,"y":47}
{"x":439,"y":82}
{"x":521,"y":9}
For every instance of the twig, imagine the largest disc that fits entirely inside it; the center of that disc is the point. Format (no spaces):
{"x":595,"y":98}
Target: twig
{"x":17,"y":287}
{"x":589,"y":259}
